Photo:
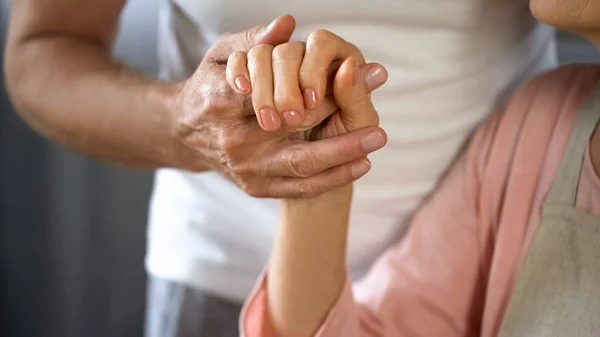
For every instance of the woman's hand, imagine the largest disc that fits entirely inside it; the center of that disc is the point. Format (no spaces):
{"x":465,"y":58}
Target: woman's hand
{"x":275,"y":77}
{"x":270,"y":75}
{"x":218,"y":123}
{"x":308,"y":261}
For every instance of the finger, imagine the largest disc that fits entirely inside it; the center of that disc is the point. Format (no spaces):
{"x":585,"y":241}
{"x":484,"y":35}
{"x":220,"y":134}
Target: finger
{"x":333,"y":68}
{"x":261,"y":78}
{"x":320,"y":183}
{"x":374,"y":76}
{"x":237,"y":73}
{"x":287,"y":59}
{"x":304,"y":159}
{"x":322,"y":48}
{"x":278,"y":31}
{"x":352,"y":96}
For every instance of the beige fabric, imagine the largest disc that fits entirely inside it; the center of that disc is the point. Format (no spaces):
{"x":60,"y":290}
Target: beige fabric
{"x":558,"y":291}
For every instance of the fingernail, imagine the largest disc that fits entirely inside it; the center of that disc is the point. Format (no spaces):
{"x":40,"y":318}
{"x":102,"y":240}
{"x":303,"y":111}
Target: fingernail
{"x":360,"y":168}
{"x":310,"y":99}
{"x":270,"y":119}
{"x":357,"y":73}
{"x":373,"y":141}
{"x":375,"y":76}
{"x":292,"y":118}
{"x":242,"y":83}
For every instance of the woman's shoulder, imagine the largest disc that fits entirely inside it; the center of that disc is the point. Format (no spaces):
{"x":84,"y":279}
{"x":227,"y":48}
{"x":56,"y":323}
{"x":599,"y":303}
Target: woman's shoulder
{"x":557,"y":91}
{"x":548,"y":102}
{"x":535,"y":122}
{"x":520,"y":146}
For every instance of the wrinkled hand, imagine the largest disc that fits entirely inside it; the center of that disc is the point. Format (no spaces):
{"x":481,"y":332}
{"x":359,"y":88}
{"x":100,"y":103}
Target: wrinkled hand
{"x":347,"y":104}
{"x":220,"y":124}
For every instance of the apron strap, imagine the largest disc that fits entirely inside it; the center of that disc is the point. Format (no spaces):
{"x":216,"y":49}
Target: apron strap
{"x":564,"y":189}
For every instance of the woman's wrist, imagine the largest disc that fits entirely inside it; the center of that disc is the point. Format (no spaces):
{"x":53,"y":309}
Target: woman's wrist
{"x":331,"y":210}
{"x":308,"y":263}
{"x":339,"y":197}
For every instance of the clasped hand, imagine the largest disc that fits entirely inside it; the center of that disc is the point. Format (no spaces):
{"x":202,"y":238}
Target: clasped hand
{"x":284,"y":119}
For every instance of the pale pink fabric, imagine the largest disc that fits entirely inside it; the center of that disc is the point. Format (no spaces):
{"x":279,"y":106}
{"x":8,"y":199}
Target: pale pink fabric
{"x":454,"y":272}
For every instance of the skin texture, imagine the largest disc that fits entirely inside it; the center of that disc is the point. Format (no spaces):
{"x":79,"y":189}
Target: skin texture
{"x":311,"y":237}
{"x":580,"y":16}
{"x":350,"y":88}
{"x":62,"y":79}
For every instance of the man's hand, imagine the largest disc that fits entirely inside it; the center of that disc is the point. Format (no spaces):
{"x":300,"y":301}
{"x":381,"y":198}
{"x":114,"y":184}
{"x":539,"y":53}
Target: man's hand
{"x":62,"y":79}
{"x":219,"y":123}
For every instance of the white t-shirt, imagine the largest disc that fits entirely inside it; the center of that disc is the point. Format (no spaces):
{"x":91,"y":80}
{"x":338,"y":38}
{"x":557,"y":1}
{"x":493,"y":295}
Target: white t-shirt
{"x":449,"y":63}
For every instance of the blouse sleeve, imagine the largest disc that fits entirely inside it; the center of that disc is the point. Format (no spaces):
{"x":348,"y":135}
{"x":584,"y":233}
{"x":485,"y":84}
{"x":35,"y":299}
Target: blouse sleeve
{"x":430,"y":284}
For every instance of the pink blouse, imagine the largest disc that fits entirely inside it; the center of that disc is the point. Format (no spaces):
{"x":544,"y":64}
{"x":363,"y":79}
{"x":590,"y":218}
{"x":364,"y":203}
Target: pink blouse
{"x":454,"y":272}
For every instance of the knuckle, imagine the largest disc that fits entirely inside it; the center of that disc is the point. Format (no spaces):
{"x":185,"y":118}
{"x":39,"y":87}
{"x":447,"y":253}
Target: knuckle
{"x":305,"y":191}
{"x":224,"y":90}
{"x":355,"y":51}
{"x":246,"y":35}
{"x":260,"y":50}
{"x":222,"y":40}
{"x":288,"y":51}
{"x":302,"y":164}
{"x":323,"y":41}
{"x":321,"y":35}
{"x":287,"y":98}
{"x":242,"y":184}
{"x":220,"y":91}
{"x":238,"y":167}
{"x":224,"y":36}
{"x":209,"y":107}
{"x":212,"y":106}
{"x":250,"y":186}
{"x":237,"y":56}
{"x":221,"y":45}
{"x":344,"y":153}
{"x":253,"y":191}
{"x":322,"y":45}
{"x":228,"y":140}
{"x":223,"y":158}
{"x":308,"y":75}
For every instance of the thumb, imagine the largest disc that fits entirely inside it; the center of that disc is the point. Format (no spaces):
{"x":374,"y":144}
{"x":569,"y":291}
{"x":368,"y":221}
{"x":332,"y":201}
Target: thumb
{"x":373,"y":74}
{"x":351,"y":90}
{"x":277,"y":32}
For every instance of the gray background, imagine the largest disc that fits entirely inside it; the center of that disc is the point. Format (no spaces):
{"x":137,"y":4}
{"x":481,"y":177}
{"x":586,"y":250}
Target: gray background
{"x":72,"y":230}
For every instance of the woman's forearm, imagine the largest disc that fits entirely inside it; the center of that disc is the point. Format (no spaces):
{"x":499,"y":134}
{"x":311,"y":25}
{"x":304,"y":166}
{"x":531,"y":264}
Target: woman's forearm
{"x":308,"y":265}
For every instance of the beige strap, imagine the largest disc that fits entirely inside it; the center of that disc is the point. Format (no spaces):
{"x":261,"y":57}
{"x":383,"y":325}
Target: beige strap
{"x":564,"y":189}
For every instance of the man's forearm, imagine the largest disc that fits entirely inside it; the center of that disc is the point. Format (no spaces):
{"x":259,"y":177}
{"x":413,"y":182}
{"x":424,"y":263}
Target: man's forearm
{"x":71,"y":91}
